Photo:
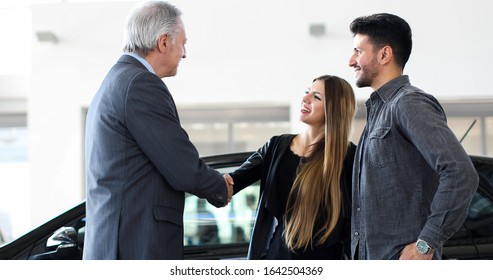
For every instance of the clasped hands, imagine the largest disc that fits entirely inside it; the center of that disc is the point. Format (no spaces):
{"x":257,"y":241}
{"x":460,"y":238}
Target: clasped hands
{"x":229,"y":184}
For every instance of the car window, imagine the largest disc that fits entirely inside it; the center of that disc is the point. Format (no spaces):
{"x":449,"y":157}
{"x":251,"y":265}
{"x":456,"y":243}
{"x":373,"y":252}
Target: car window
{"x":1,"y":237}
{"x":480,"y":216}
{"x":473,"y":240}
{"x":205,"y":224}
{"x":479,"y":219}
{"x":481,"y":207}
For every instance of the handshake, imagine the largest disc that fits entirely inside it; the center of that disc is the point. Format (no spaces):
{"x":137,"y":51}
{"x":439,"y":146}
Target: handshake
{"x":229,"y":185}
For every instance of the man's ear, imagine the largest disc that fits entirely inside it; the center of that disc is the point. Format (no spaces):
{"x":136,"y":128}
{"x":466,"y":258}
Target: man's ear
{"x":162,"y":42}
{"x":385,"y":54}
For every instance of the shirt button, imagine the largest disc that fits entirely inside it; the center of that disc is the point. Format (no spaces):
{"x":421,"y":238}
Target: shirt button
{"x":356,"y":233}
{"x":358,"y":209}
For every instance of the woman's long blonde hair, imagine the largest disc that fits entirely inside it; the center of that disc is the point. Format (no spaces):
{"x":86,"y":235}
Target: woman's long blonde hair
{"x":316,"y":190}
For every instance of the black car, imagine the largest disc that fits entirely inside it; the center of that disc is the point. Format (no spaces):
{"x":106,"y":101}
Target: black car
{"x":223,"y":233}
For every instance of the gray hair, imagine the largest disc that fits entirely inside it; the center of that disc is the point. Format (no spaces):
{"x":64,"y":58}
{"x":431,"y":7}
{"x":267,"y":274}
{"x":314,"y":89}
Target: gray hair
{"x":146,"y":23}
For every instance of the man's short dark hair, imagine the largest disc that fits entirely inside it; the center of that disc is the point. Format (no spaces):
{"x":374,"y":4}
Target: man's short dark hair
{"x":386,"y":29}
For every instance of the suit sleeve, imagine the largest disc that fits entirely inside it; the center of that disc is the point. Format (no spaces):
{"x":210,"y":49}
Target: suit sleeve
{"x":151,"y":118}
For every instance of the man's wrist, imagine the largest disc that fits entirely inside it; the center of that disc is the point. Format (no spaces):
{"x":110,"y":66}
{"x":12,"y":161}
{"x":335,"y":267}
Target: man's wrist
{"x":424,"y":248}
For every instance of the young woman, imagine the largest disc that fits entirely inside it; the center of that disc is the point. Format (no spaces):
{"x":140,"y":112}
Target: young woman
{"x":305,"y":189}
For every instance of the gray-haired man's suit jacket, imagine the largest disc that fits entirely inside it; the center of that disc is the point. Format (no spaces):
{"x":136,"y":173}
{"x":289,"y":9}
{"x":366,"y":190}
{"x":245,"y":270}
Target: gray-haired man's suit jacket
{"x":139,"y":164}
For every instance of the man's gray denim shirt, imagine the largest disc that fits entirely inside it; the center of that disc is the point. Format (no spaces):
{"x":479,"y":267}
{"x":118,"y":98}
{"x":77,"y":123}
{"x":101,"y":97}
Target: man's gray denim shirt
{"x":411,"y":178}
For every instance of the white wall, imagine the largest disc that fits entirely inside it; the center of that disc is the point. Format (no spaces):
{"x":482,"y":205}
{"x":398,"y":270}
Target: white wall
{"x":254,"y":51}
{"x":65,"y":76}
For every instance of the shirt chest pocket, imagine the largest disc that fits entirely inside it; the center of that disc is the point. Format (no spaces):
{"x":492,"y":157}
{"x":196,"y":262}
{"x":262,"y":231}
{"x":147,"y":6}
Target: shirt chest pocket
{"x":380,"y":148}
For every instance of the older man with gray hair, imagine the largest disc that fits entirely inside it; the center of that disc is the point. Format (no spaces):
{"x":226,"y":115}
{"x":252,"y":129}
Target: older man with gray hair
{"x":139,"y":160}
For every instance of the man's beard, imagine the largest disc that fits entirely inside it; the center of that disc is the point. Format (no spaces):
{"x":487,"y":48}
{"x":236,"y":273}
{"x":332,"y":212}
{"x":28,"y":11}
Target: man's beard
{"x":363,"y":81}
{"x":367,"y":76}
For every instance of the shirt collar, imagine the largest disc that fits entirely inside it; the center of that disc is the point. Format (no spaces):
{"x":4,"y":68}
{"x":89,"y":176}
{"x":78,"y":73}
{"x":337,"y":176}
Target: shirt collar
{"x":388,"y":89}
{"x":142,"y":60}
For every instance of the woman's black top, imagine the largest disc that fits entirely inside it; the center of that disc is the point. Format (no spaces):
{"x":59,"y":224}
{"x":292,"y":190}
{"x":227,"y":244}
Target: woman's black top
{"x":277,"y":247}
{"x":270,"y":164}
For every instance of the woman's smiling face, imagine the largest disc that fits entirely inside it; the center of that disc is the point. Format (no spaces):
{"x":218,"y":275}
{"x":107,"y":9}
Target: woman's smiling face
{"x":313,"y":104}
